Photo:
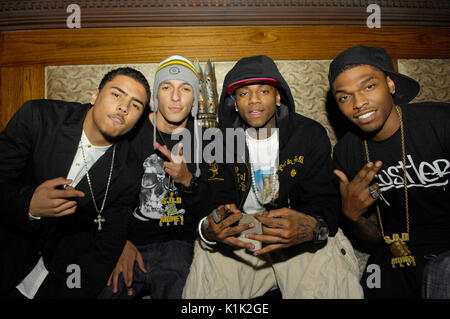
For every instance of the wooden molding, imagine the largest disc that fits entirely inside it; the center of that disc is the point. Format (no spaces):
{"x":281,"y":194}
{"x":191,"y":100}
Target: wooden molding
{"x":152,"y":44}
{"x":24,"y":54}
{"x":37,"y":14}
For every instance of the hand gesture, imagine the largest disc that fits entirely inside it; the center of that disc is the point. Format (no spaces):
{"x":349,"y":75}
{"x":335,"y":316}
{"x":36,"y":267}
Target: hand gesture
{"x":125,"y":265}
{"x":355,"y":195}
{"x":223,"y":231}
{"x":176,"y":167}
{"x":283,"y":228}
{"x":47,"y":201}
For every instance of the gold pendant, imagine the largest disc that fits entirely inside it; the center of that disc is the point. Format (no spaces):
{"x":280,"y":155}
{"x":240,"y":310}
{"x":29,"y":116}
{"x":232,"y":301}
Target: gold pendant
{"x":408,"y":260}
{"x":173,"y":215}
{"x":171,"y":200}
{"x":400,"y":250}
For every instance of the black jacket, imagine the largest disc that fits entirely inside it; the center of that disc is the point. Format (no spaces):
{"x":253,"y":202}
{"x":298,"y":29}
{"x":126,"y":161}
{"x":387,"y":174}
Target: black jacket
{"x":305,"y":168}
{"x":39,"y":144}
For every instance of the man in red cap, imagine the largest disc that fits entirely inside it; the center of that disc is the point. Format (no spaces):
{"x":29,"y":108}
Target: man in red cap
{"x":272,"y":218}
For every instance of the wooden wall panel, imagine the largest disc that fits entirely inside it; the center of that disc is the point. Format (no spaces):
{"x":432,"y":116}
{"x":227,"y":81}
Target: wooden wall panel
{"x":17,"y":85}
{"x":24,"y":54}
{"x":140,"y":45}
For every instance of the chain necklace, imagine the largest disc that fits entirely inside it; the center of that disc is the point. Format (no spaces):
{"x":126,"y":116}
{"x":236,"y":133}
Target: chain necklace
{"x":100,"y":219}
{"x":263,"y":200}
{"x":397,"y":244}
{"x":171,"y":201}
{"x":171,"y":184}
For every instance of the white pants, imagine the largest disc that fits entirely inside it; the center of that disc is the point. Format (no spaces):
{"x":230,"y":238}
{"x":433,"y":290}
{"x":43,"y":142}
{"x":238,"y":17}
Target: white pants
{"x":330,"y":272}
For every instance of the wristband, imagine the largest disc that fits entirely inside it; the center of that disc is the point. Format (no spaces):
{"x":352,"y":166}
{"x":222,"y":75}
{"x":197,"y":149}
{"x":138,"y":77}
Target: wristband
{"x":201,"y":234}
{"x":31,"y":217}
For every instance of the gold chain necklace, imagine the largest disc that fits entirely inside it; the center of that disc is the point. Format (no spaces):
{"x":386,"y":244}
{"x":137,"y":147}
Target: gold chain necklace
{"x":100,"y":219}
{"x":397,"y":244}
{"x":171,"y":201}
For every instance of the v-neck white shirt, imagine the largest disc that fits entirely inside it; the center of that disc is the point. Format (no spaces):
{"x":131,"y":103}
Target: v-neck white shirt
{"x":92,"y":152}
{"x":30,"y":285}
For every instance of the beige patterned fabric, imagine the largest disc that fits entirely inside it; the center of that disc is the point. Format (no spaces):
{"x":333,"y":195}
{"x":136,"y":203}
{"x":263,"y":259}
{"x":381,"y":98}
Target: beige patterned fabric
{"x":78,"y":82}
{"x":307,"y":79}
{"x":433,"y":76}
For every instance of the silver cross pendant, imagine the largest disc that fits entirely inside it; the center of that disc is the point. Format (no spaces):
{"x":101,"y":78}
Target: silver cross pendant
{"x":99,"y":220}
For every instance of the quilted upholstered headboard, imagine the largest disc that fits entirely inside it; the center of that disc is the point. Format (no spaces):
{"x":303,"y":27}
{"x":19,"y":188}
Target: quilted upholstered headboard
{"x":307,"y":79}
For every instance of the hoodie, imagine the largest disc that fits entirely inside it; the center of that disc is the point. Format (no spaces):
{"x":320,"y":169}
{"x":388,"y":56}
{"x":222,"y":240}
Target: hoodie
{"x":305,"y":171}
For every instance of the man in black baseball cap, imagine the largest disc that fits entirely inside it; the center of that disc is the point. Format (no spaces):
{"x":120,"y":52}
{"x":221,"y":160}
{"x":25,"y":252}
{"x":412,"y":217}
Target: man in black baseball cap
{"x":394,"y":172}
{"x":406,"y":88}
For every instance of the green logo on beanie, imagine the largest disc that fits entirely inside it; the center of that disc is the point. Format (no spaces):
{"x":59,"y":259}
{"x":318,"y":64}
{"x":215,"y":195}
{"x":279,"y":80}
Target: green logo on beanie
{"x":174,"y":70}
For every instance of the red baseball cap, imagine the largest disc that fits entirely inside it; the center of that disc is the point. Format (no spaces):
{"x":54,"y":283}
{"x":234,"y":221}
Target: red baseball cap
{"x":235,"y":85}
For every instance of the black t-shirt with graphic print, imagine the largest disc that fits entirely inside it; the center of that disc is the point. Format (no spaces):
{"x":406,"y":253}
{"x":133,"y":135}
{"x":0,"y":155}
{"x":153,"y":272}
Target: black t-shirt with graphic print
{"x":427,"y":139}
{"x":160,"y":214}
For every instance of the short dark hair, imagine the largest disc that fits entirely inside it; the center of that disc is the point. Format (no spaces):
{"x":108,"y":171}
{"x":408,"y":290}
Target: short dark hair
{"x":130,"y":72}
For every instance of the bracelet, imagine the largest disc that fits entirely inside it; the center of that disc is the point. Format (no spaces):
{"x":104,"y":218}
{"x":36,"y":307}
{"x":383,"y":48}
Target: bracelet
{"x":201,"y":234}
{"x":31,"y":217}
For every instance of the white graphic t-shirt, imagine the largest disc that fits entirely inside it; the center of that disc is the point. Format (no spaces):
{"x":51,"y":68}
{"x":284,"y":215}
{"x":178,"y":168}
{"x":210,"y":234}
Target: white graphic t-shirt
{"x":159,"y":197}
{"x":263,"y":155}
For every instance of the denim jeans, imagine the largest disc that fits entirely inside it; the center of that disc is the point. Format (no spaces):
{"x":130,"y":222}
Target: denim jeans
{"x":436,"y":278}
{"x":167,"y":265}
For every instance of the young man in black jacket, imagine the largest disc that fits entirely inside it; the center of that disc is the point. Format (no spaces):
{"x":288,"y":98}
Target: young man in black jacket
{"x":394,"y":170}
{"x":66,"y":186}
{"x":272,"y":219}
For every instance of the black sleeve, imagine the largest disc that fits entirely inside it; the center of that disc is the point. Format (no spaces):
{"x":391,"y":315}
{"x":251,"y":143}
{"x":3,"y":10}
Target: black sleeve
{"x":446,"y":129}
{"x":93,"y":252}
{"x":337,"y":158}
{"x":16,"y":178}
{"x":317,"y":192}
{"x":349,"y":156}
{"x":214,"y":188}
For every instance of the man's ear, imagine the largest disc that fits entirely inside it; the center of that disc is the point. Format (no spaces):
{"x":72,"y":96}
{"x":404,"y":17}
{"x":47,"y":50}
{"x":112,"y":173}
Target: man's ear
{"x":94,"y":96}
{"x":278,"y":98}
{"x":390,"y":84}
{"x":236,"y":106}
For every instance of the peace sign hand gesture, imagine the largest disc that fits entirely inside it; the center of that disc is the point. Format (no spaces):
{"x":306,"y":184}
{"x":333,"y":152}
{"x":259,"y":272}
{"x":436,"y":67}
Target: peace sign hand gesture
{"x":176,"y":167}
{"x":355,"y":195}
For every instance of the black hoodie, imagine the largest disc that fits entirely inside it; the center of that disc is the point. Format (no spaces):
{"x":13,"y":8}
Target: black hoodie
{"x":305,"y":168}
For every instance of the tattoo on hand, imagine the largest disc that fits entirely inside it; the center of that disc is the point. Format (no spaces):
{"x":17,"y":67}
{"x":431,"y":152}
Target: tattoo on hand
{"x":305,"y":231}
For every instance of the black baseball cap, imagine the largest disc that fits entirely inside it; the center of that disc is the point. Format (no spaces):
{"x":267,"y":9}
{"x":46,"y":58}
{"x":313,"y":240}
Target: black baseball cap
{"x":406,"y":88}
